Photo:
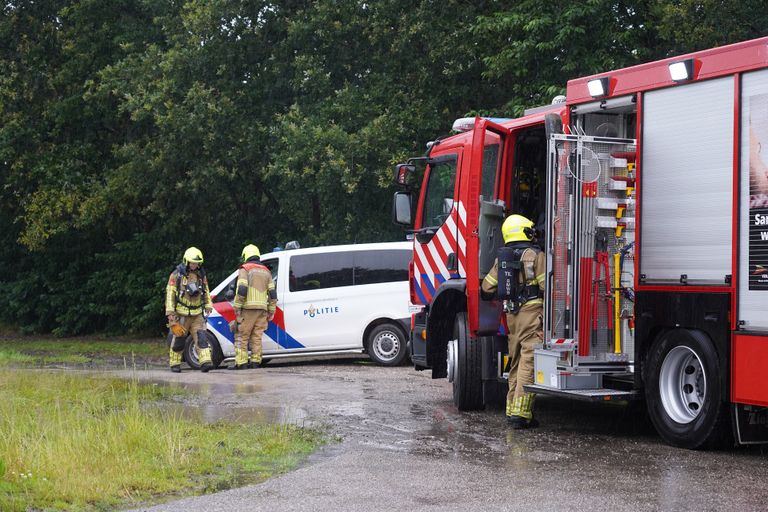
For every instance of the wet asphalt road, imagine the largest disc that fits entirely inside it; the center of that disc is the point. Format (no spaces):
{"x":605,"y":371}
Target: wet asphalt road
{"x":404,"y":446}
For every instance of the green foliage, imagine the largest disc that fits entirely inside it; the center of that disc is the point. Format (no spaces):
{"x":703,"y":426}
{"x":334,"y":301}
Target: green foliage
{"x":132,"y":129}
{"x":690,"y":25}
{"x":536,"y":46}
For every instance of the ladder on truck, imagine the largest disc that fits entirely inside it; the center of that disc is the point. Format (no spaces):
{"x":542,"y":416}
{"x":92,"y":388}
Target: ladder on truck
{"x":588,"y":349}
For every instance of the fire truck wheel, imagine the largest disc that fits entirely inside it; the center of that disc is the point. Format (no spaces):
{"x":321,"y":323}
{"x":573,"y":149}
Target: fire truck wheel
{"x":386,"y":345}
{"x":683,"y":390}
{"x":464,"y":358}
{"x":190,"y":352}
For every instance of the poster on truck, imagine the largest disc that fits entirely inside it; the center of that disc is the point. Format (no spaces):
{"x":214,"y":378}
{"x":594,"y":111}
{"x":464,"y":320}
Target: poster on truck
{"x":758,"y":192}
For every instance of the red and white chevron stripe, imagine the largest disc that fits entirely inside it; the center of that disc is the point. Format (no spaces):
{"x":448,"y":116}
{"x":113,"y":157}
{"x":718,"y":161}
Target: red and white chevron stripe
{"x":429,"y":260}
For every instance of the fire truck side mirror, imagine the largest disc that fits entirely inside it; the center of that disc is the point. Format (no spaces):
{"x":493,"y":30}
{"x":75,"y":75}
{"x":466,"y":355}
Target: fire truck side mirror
{"x":401,"y":209}
{"x":403,"y":173}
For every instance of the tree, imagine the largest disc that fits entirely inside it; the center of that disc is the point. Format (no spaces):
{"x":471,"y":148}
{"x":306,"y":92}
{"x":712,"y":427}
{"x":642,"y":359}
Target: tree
{"x":132,"y":129}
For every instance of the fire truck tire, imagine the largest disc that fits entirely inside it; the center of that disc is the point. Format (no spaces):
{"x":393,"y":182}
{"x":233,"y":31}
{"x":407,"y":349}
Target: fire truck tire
{"x":190,"y":352}
{"x":683,"y":391}
{"x":467,"y":377}
{"x":386,"y":345}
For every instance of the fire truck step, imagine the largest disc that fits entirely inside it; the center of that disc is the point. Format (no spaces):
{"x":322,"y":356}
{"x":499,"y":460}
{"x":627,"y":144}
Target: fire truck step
{"x":588,"y":395}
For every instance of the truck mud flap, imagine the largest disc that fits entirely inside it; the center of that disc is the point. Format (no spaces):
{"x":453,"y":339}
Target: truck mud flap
{"x":751,"y":423}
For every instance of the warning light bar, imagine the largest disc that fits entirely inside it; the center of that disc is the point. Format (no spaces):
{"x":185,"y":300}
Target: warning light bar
{"x":464,"y":124}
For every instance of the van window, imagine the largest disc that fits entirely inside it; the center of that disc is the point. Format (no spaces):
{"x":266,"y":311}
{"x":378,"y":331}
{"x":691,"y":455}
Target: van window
{"x":315,"y":271}
{"x":272,"y":265}
{"x":227,"y":294}
{"x":381,"y":266}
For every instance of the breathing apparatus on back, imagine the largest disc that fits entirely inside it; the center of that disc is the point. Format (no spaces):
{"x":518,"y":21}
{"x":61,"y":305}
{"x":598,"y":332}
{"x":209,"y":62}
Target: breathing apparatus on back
{"x":514,"y":274}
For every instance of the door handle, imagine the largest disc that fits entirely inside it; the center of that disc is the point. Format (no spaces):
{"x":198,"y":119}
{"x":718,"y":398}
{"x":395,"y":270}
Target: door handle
{"x":423,"y":236}
{"x":450,"y":262}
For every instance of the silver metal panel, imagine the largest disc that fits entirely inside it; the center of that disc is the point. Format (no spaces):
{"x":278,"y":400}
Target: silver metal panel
{"x":590,"y":395}
{"x":687,"y":182}
{"x":752,"y":283}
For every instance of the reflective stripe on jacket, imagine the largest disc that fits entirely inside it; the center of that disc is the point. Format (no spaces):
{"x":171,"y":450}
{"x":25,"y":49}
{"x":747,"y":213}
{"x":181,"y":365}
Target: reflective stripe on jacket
{"x":178,"y":302}
{"x":257,"y":282}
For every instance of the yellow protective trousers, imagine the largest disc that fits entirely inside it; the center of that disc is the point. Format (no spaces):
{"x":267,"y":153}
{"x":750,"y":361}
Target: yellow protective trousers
{"x":193,"y":324}
{"x":251,"y":326}
{"x":525,"y":332}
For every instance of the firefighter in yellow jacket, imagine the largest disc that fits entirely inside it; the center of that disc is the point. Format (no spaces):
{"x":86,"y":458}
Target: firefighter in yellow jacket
{"x":517,"y":278}
{"x":186,"y":298}
{"x":255,"y":304}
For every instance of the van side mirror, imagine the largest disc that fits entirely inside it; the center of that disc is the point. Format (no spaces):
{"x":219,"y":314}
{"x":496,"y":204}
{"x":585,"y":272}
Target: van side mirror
{"x":403,"y":173}
{"x":230,"y":293}
{"x":401,"y":209}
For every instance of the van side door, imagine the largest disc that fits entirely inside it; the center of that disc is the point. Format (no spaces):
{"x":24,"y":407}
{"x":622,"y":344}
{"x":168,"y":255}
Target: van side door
{"x":317,"y":305}
{"x":274,"y":336}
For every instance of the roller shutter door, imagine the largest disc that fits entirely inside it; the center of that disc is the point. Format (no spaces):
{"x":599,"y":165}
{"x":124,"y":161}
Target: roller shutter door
{"x":687,"y":182}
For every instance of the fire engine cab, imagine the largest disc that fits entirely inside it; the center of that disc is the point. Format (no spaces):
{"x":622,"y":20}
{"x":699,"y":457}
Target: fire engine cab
{"x":648,"y":187}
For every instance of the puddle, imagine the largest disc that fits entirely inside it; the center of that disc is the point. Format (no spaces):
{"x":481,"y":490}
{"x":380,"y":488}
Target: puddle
{"x":211,"y":413}
{"x":227,"y":402}
{"x":353,"y":409}
{"x":238,"y":389}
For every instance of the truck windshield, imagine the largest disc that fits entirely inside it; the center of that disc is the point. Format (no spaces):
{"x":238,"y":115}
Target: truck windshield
{"x":438,"y":200}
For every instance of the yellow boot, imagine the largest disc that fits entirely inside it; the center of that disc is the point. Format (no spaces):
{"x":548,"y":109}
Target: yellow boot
{"x":204,"y":355}
{"x":241,"y":360}
{"x":175,"y":361}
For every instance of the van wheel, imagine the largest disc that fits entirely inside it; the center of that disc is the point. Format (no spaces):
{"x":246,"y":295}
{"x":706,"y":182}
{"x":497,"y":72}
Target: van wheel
{"x":683,"y":390}
{"x":464,"y":366}
{"x":217,"y":356}
{"x":190,"y":351}
{"x":386,"y":345}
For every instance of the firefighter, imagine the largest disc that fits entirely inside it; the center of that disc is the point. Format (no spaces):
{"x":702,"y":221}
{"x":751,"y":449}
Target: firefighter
{"x":255,"y":304}
{"x":186,"y":298}
{"x":521,"y":287}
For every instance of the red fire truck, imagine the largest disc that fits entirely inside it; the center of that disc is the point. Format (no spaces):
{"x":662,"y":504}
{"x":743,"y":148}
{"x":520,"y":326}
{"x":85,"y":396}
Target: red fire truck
{"x":649,"y":187}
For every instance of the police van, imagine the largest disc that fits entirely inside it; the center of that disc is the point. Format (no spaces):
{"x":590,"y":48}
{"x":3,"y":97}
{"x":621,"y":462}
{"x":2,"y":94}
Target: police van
{"x":341,"y":299}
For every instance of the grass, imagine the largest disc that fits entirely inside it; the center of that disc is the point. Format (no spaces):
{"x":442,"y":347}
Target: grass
{"x":33,"y":352}
{"x":70,"y":442}
{"x":12,"y":357}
